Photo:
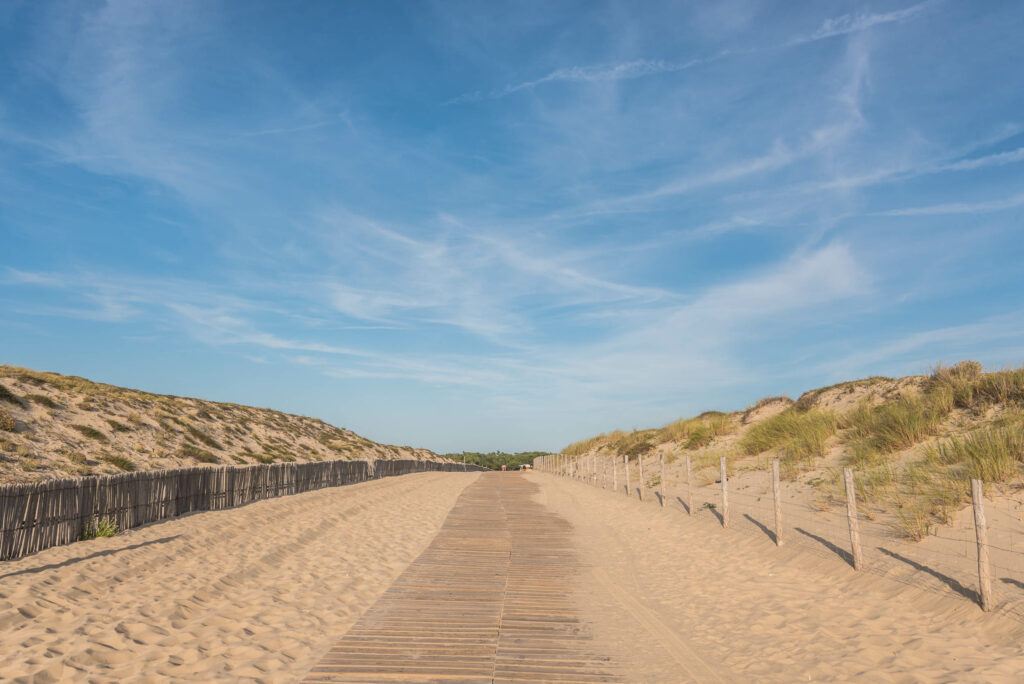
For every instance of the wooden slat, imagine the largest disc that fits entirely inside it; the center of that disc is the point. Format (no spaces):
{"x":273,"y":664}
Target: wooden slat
{"x":489,"y":600}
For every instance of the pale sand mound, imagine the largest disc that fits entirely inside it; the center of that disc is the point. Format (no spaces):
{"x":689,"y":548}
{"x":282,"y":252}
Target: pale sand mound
{"x":682,"y":599}
{"x":256,"y":593}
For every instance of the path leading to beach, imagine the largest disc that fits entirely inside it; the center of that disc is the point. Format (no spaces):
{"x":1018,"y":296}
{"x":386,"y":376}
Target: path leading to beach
{"x":256,"y":593}
{"x":492,"y":599}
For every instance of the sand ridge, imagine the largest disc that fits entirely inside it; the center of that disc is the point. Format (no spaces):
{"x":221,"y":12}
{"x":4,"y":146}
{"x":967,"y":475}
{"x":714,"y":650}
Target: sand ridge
{"x":255,"y":593}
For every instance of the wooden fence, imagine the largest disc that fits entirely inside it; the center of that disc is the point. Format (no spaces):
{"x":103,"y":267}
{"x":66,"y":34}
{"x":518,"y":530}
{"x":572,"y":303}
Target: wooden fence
{"x":38,"y":515}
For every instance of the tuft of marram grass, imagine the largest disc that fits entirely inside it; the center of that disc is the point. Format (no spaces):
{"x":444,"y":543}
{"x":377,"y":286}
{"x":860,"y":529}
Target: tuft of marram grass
{"x":9,"y":396}
{"x":876,"y":431}
{"x":971,"y":388}
{"x":698,"y":432}
{"x":800,"y":436}
{"x":7,"y":422}
{"x":118,"y":461}
{"x":992,"y":454}
{"x":43,"y":400}
{"x":90,"y":432}
{"x":195,"y":453}
{"x":117,"y":427}
{"x":203,"y":437}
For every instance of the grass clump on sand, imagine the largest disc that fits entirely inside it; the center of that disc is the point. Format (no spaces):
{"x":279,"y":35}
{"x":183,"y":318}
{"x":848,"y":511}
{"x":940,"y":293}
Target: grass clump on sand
{"x":876,"y":431}
{"x":118,"y":461}
{"x":9,"y":396}
{"x":42,"y":400}
{"x":698,"y":432}
{"x":7,"y":423}
{"x":195,"y":453}
{"x":203,"y":437}
{"x":90,"y":432}
{"x":117,"y":427}
{"x":98,"y":528}
{"x":800,"y":436}
{"x":971,"y":388}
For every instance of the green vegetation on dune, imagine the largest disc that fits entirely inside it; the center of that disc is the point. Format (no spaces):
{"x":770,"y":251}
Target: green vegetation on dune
{"x":799,"y":435}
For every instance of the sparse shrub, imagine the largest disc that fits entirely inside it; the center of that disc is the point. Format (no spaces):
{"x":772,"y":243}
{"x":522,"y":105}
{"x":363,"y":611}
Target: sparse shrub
{"x":91,"y":432}
{"x":7,"y":423}
{"x":265,"y":458}
{"x":195,"y":453}
{"x":238,"y":459}
{"x":117,"y":427}
{"x":77,"y":458}
{"x":43,"y":400}
{"x":98,"y":528}
{"x":135,"y":419}
{"x":118,"y":461}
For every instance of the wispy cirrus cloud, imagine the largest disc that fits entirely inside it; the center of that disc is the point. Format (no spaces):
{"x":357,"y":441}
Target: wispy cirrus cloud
{"x":958,"y":207}
{"x":859,"y":21}
{"x":638,"y":68}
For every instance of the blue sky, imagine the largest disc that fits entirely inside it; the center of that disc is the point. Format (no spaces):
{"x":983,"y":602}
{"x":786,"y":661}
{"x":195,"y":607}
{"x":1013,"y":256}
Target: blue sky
{"x":467,"y":225}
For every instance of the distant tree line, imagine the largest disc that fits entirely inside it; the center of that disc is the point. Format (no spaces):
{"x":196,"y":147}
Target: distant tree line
{"x":496,"y":459}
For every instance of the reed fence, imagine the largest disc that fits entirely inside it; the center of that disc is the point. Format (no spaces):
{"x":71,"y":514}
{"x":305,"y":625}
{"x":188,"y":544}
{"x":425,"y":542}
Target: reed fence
{"x":35,"y":516}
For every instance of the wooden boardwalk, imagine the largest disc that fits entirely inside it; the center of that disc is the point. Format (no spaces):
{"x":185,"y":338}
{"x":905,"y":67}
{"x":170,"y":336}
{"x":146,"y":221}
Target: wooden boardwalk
{"x":490,"y":600}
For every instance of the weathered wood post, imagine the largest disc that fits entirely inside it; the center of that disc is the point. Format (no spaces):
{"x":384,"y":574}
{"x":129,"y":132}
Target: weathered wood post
{"x":662,"y":483}
{"x":689,"y":486}
{"x":615,"y":474}
{"x":981,"y":532}
{"x":625,"y":466}
{"x":640,"y":462}
{"x":777,"y":501}
{"x":725,"y":495}
{"x":851,"y":516}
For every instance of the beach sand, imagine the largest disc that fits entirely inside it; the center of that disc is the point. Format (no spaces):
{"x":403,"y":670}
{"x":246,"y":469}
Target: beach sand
{"x":256,"y":593}
{"x":682,"y":599}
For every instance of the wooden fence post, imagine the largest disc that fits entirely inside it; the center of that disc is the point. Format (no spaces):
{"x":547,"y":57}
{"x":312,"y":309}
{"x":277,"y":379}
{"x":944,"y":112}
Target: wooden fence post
{"x":662,"y":483}
{"x":725,"y":495}
{"x":981,"y":532}
{"x":615,"y":474}
{"x":625,"y":466}
{"x":851,"y":516}
{"x":689,"y":486}
{"x":640,"y":462}
{"x":777,"y":501}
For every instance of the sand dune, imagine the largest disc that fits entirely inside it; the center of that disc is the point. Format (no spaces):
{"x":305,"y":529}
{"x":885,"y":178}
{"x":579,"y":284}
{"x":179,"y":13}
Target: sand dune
{"x":682,"y":599}
{"x":256,"y":593}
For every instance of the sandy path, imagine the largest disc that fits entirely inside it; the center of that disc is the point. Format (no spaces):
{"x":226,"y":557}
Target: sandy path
{"x":685,"y":600}
{"x":255,"y":593}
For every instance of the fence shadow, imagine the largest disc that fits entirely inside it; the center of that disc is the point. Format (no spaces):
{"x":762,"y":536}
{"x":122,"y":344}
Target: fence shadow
{"x":945,"y":579}
{"x":841,"y":552}
{"x":683,"y":504}
{"x":1009,"y":580}
{"x":769,"y":533}
{"x":98,"y":554}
